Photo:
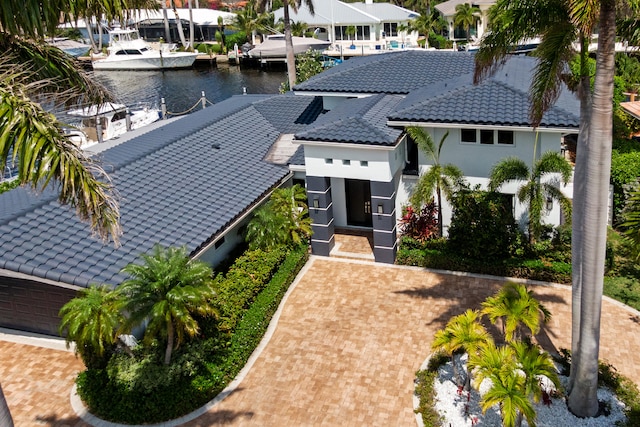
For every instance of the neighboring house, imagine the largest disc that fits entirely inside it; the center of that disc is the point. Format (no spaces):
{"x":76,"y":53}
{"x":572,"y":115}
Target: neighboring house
{"x":151,"y":23}
{"x":447,"y":10}
{"x":360,"y":169}
{"x":196,"y":180}
{"x":192,"y":182}
{"x":377,"y":25}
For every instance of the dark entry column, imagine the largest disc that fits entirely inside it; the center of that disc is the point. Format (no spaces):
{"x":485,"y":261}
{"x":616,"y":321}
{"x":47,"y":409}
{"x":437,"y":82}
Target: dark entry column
{"x":383,"y":201}
{"x":321,"y":213}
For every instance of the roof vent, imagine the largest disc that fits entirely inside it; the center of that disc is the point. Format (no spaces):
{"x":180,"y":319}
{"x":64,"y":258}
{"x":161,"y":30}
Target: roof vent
{"x":216,"y":146}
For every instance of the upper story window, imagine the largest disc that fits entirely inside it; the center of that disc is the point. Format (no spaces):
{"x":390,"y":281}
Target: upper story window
{"x":411,"y":166}
{"x":487,"y":136}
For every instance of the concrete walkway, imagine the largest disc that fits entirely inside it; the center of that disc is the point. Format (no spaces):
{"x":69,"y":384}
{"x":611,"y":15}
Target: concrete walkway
{"x":344,"y":352}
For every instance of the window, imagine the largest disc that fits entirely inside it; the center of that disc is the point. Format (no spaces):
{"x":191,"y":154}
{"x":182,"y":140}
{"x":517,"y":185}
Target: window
{"x":363,"y":32}
{"x":364,"y":163}
{"x":505,"y":137}
{"x":391,"y":29}
{"x":486,"y":137}
{"x":346,"y":162}
{"x":219,"y":243}
{"x":411,"y":166}
{"x":468,"y":135}
{"x":328,"y":161}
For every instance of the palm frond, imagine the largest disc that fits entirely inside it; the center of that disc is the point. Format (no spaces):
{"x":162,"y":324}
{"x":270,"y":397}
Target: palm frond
{"x":508,"y":169}
{"x":553,"y":162}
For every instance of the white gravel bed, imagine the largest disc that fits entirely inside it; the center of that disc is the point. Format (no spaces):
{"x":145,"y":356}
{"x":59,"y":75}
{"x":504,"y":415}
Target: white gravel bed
{"x":464,"y":410}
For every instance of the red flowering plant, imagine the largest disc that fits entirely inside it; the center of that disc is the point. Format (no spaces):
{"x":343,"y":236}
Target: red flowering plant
{"x":420,"y":224}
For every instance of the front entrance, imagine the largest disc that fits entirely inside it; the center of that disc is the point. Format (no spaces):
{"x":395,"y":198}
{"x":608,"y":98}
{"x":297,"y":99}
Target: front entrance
{"x":358,"y":193}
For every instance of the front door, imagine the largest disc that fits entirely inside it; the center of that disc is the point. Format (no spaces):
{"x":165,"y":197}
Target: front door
{"x":358,"y":194}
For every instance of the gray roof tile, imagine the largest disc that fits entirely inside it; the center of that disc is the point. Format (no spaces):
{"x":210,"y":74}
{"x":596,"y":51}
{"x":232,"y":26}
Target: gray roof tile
{"x":394,"y":72}
{"x":168,"y":179}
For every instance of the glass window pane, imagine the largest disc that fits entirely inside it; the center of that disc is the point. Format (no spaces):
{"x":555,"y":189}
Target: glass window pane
{"x":468,"y":135}
{"x":505,"y":137}
{"x":486,"y":136}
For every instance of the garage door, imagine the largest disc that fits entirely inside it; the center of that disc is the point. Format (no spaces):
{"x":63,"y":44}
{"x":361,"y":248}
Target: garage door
{"x":31,"y":306}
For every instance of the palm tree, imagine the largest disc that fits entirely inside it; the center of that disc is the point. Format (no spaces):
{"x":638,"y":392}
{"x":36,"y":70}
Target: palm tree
{"x":508,"y":391}
{"x":466,"y":15}
{"x":91,"y":320}
{"x":426,"y":24}
{"x":631,"y":224}
{"x":440,"y":178}
{"x":593,"y":170}
{"x":30,"y":68}
{"x":183,"y":40}
{"x":534,"y":192}
{"x":5,"y":414}
{"x":515,"y":306}
{"x":283,"y":220}
{"x":463,"y":332}
{"x":165,"y":291}
{"x":294,"y":5}
{"x":533,"y":364}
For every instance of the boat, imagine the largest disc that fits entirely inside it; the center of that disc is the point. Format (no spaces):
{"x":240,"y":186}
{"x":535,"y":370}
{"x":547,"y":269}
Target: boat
{"x":109,"y":121}
{"x":127,"y":51}
{"x":274,"y":46}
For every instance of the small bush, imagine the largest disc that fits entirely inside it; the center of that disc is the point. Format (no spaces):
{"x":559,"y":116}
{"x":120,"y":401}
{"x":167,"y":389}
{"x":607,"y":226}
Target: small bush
{"x":420,"y":225}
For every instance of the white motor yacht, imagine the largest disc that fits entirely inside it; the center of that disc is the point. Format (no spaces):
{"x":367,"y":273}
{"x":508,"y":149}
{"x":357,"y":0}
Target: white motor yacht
{"x":127,"y":51}
{"x":108,"y":122}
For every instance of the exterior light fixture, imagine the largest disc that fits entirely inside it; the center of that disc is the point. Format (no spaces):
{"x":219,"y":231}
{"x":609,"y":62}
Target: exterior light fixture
{"x":380,"y":209}
{"x":316,"y":203}
{"x":549,"y":204}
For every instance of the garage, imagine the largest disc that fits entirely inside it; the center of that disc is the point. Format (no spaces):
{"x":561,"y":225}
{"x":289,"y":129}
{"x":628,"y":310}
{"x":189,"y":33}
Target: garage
{"x":31,"y":306}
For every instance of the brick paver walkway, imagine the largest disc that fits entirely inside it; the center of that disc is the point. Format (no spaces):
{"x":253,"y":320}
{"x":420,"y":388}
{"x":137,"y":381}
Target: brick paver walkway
{"x":344,"y":353}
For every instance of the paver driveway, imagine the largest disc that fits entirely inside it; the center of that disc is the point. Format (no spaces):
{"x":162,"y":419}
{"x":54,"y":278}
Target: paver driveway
{"x":344,"y":353}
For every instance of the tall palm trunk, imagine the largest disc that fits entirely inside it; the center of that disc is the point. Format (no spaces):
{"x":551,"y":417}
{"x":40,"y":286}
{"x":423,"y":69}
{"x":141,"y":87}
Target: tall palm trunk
{"x":439,"y":197}
{"x":595,"y":159}
{"x":183,"y":40}
{"x":92,"y":39}
{"x":584,"y":94}
{"x":191,"y":27}
{"x":291,"y":59}
{"x":165,"y":19}
{"x":5,"y":414}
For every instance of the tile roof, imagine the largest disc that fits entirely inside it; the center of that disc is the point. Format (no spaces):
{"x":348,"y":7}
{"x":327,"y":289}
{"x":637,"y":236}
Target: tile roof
{"x":500,"y":100}
{"x":356,"y":121}
{"x":328,"y":12}
{"x":178,"y":185}
{"x":394,"y":72}
{"x":386,"y":12}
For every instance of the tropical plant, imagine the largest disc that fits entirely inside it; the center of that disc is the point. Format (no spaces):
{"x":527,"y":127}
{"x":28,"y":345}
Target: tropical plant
{"x":515,"y":306}
{"x":31,"y":69}
{"x":440,"y":178}
{"x":283,"y":220}
{"x":350,"y":31}
{"x":165,"y":292}
{"x":420,"y":225}
{"x":466,"y":16}
{"x":294,"y":5}
{"x":462,"y":332}
{"x":534,"y":192}
{"x":427,"y":24}
{"x":91,"y":320}
{"x":631,"y":225}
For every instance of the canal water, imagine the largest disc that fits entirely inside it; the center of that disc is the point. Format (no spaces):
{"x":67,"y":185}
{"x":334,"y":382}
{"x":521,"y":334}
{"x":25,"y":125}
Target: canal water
{"x":182,"y":88}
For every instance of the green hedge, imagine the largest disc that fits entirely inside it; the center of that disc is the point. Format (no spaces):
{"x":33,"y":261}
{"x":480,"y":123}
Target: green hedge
{"x":141,"y":390}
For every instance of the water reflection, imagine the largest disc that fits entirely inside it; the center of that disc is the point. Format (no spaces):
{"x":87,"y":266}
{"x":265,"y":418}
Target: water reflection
{"x":181,"y":88}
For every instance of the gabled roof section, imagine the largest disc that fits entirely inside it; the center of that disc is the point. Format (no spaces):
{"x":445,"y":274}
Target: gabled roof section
{"x":386,"y":12}
{"x":289,"y":113}
{"x":500,"y":100}
{"x":448,"y":8}
{"x":328,"y":11}
{"x":356,"y":121}
{"x":181,"y":184}
{"x":393,"y":73}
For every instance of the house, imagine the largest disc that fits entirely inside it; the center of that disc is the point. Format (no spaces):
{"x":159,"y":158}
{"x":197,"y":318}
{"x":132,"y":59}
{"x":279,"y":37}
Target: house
{"x":447,"y":10}
{"x":195,"y":181}
{"x":377,"y":25}
{"x":192,"y":182}
{"x":359,"y":172}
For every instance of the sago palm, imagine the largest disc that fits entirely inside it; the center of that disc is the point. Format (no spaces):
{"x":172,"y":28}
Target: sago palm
{"x":165,"y":291}
{"x":440,"y":178}
{"x":515,"y":306}
{"x":534,"y":192}
{"x":92,"y":320}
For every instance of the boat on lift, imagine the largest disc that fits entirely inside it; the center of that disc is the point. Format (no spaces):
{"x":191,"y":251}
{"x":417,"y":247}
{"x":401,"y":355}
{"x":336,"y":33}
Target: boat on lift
{"x":108,"y":121}
{"x":127,"y":51}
